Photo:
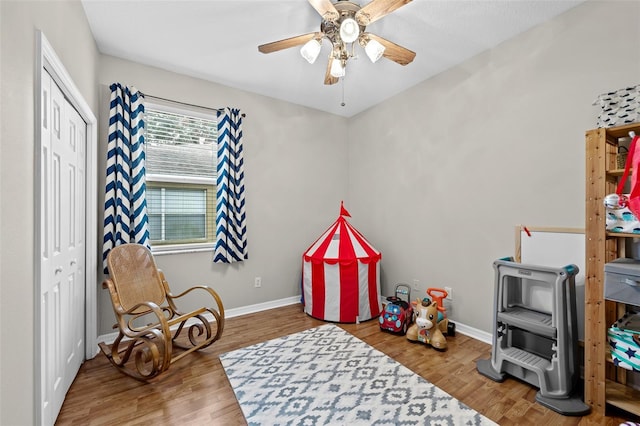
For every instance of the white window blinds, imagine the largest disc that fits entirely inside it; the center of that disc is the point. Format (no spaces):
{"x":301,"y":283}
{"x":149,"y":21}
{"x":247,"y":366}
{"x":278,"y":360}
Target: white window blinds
{"x":180,"y":145}
{"x":180,"y":153}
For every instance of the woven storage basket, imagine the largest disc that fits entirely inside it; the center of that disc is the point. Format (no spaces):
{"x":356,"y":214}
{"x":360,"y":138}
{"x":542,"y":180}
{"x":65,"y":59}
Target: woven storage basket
{"x":622,"y":156}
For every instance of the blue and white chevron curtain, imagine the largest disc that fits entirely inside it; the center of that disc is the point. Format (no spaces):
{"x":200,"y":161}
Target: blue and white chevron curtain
{"x":231,"y":220}
{"x":125,"y":206}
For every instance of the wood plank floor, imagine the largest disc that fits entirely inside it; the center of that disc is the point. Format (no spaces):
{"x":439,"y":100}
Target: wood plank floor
{"x":195,"y":390}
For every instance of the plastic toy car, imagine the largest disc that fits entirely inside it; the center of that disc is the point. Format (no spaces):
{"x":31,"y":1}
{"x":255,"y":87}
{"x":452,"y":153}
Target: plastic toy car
{"x":398,"y":313}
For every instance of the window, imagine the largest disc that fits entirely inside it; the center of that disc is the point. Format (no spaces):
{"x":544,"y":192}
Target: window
{"x":181,"y":175}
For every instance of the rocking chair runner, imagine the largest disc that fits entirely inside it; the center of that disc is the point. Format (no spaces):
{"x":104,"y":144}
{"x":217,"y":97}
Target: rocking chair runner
{"x":146,"y":313}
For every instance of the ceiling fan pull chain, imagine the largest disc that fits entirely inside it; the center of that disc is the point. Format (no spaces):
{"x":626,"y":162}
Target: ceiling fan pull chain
{"x":342,"y":104}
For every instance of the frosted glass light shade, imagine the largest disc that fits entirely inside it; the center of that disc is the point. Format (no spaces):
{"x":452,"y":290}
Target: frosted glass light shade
{"x":311,"y":50}
{"x":337,"y":70}
{"x":349,"y":30}
{"x":374,"y":50}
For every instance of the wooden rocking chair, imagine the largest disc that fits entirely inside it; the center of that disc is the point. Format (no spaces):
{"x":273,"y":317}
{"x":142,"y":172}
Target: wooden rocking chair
{"x":150,"y":324}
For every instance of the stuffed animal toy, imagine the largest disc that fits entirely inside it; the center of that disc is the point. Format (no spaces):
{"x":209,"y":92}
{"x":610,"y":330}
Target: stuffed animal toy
{"x":425,"y":328}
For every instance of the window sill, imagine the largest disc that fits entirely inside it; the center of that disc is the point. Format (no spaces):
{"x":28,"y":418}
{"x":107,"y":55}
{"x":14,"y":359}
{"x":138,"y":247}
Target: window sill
{"x":181,"y":248}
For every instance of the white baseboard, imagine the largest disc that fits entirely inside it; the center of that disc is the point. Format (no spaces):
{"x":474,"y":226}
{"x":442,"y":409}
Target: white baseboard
{"x":229,"y":313}
{"x":236,"y":312}
{"x":472,"y":332}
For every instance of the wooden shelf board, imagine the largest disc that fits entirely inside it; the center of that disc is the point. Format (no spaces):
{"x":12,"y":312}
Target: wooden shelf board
{"x":617,"y":172}
{"x":622,"y":235}
{"x":623,"y":397}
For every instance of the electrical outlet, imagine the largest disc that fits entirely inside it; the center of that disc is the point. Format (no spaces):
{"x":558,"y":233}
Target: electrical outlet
{"x":416,"y":284}
{"x":258,"y":282}
{"x":449,"y":293}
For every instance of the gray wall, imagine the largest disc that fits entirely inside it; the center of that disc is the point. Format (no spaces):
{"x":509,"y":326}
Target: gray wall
{"x":455,"y":163}
{"x":66,"y":28}
{"x":436,"y":178}
{"x":295,"y":176}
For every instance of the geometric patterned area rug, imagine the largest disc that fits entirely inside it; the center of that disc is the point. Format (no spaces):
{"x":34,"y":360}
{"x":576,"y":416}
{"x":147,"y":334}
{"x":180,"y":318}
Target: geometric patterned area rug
{"x":326,"y":376}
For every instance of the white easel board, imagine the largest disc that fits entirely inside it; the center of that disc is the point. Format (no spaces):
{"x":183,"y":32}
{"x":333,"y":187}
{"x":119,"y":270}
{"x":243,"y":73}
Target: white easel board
{"x":554,"y":247}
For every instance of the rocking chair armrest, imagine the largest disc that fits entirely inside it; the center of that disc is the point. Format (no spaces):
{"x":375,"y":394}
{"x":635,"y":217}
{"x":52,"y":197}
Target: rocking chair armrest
{"x":151,"y":308}
{"x":209,"y":290}
{"x":171,"y":297}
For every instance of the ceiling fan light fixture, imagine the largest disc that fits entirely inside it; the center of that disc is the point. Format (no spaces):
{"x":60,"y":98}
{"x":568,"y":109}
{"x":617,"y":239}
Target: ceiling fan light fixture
{"x":374,"y":50}
{"x":349,"y":30}
{"x":311,"y":50}
{"x":337,"y":69}
{"x":342,"y":23}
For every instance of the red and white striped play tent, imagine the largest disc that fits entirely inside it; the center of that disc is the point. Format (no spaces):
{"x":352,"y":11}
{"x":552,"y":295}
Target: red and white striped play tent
{"x":341,"y":275}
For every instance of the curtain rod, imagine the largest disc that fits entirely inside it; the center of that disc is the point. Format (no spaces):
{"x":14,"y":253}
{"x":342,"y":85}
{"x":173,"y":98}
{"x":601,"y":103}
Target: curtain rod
{"x":185,"y":103}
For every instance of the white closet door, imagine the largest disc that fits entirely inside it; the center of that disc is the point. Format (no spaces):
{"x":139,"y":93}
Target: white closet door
{"x":63,"y":246}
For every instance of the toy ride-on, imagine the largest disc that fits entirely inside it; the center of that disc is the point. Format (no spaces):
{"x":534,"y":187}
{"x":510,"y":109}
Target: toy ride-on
{"x":398,"y":313}
{"x":425,"y":328}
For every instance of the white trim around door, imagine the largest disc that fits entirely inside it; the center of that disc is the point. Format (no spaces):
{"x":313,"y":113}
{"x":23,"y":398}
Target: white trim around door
{"x":48,"y":61}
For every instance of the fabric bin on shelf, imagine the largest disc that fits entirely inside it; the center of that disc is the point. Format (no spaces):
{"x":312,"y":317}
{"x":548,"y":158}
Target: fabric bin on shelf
{"x":622,"y":220}
{"x":622,"y":281}
{"x":624,"y":342}
{"x":619,"y":107}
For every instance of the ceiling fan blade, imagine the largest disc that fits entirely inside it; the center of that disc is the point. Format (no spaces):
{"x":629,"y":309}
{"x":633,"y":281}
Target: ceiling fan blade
{"x":328,"y":78}
{"x":326,"y":9}
{"x":287,"y":43}
{"x":377,"y":9}
{"x":392,"y":51}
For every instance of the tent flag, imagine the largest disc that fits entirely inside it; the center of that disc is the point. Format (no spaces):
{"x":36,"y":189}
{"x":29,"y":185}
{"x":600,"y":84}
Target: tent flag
{"x":343,"y":211}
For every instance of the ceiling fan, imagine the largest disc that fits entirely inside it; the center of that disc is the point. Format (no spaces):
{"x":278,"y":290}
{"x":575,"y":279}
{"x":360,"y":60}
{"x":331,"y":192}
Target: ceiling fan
{"x":343,"y":23}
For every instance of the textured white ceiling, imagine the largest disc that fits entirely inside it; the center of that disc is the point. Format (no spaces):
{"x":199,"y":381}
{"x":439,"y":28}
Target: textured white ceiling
{"x":218,"y":40}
